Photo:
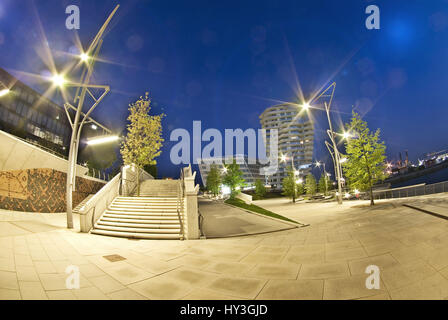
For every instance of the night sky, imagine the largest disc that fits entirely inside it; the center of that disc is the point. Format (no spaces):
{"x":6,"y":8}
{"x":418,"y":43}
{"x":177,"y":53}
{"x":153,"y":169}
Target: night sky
{"x":224,"y":62}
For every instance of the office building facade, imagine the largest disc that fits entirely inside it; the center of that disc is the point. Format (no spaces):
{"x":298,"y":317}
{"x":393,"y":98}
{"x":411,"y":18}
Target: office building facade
{"x":249,"y":167}
{"x":28,"y":115}
{"x":295,"y":139}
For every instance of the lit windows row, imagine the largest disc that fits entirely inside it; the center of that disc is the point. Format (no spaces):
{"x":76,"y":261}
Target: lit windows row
{"x":44,"y":134}
{"x":39,"y":118}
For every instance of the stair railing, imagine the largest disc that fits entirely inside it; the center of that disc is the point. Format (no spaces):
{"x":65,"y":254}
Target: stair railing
{"x":180,"y":197}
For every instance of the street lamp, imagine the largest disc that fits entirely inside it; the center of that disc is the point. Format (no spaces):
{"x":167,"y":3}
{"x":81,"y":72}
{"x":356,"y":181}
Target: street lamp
{"x":4,"y":92}
{"x":306,"y":106}
{"x":331,"y":134}
{"x":102,"y":139}
{"x":77,"y":123}
{"x":58,"y":80}
{"x":346,"y":135}
{"x":84,"y":57}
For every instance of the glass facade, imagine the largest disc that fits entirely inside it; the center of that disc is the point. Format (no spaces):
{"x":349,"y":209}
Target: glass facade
{"x":30,"y":116}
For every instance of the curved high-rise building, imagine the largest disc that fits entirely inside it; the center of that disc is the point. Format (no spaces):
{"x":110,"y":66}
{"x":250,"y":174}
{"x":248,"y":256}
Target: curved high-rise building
{"x":295,"y":138}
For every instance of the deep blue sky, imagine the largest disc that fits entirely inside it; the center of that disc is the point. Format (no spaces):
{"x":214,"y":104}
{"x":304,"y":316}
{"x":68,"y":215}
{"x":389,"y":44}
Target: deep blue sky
{"x":224,"y":62}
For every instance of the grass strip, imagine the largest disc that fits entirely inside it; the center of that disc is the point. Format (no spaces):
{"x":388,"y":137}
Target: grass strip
{"x":251,"y":207}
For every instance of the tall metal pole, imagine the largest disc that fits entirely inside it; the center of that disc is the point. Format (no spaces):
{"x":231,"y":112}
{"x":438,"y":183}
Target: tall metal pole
{"x":336,"y":157}
{"x":336,"y":154}
{"x":74,"y":143}
{"x":294,"y":172}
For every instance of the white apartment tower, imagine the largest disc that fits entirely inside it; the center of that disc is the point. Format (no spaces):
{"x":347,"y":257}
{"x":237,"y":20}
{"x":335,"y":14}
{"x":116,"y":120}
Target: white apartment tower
{"x":295,"y":138}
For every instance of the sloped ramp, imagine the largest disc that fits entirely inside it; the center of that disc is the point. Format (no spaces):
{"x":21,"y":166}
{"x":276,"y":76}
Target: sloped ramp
{"x":221,"y":221}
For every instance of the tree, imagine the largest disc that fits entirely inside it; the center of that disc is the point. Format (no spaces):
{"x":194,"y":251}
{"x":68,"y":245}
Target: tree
{"x":143,"y":140}
{"x":260,"y":189}
{"x":310,"y":184}
{"x":289,"y":185}
{"x":323,"y":184}
{"x":214,"y":180}
{"x":365,"y":156}
{"x":233,"y":178}
{"x":300,"y":189}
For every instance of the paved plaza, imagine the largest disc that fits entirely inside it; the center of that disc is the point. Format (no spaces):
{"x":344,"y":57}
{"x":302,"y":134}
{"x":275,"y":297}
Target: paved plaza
{"x":326,"y":260}
{"x":222,"y":220}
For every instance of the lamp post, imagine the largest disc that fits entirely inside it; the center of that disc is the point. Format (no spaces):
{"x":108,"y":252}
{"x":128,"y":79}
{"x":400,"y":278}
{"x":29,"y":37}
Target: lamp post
{"x":329,"y":92}
{"x":78,"y":122}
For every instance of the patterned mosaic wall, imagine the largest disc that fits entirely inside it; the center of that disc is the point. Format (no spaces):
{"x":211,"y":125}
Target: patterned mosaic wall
{"x":40,"y":190}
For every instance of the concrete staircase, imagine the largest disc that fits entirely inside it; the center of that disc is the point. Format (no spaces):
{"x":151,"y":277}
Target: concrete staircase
{"x":159,"y":188}
{"x":152,"y":215}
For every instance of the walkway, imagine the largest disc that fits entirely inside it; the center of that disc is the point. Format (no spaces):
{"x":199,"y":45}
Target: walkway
{"x":221,"y":220}
{"x":326,"y":260}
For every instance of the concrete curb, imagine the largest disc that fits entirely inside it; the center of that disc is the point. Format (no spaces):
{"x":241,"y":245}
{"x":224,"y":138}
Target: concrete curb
{"x":426,"y":211}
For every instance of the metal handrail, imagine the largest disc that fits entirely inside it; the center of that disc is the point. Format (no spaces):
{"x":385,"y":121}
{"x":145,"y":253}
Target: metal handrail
{"x":411,"y":191}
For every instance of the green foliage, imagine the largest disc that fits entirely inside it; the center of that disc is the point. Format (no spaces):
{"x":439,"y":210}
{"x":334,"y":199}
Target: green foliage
{"x":260,"y":189}
{"x":300,"y":189}
{"x":289,"y":185}
{"x":310,"y":185}
{"x":233,"y":178}
{"x":214,"y":180}
{"x":324,"y":184}
{"x":143,"y":140}
{"x":365,"y":163}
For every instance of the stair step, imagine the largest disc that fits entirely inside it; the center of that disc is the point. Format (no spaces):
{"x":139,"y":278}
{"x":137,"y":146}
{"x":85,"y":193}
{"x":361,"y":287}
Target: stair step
{"x":161,"y":201}
{"x":142,"y":212}
{"x":137,"y":230}
{"x":142,"y":221}
{"x":146,"y":198}
{"x":146,"y":206}
{"x":139,"y":225}
{"x":142,"y":217}
{"x":132,"y":235}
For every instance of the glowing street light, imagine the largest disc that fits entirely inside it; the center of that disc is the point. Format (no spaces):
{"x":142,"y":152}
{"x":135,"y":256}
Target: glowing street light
{"x":58,"y":80}
{"x":299,"y":181}
{"x":283,"y":158}
{"x":224,"y":170}
{"x":4,"y":92}
{"x":346,"y":135}
{"x":102,"y":139}
{"x":306,"y":106}
{"x":343,"y":160}
{"x":84,"y":57}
